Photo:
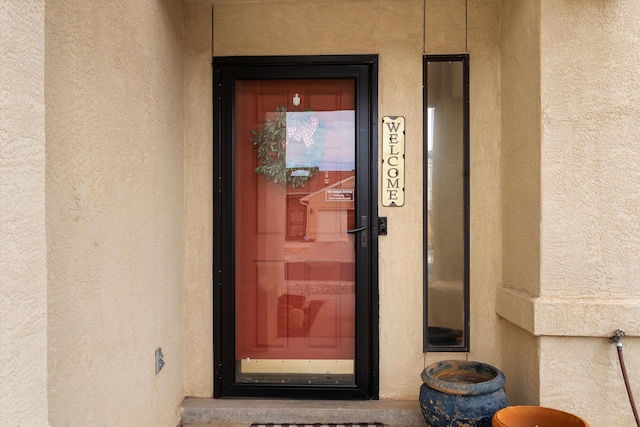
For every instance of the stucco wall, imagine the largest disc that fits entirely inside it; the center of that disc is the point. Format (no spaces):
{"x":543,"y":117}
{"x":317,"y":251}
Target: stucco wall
{"x":590,"y":186}
{"x":520,"y":172}
{"x":591,"y":179}
{"x":589,"y":204}
{"x":198,"y":308}
{"x":520,"y":150}
{"x":23,"y":262}
{"x":394,"y":30}
{"x":114,"y":209}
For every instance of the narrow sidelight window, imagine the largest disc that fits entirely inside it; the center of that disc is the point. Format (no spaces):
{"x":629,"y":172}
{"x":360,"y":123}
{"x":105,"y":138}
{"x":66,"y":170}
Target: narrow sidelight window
{"x":446,"y":210}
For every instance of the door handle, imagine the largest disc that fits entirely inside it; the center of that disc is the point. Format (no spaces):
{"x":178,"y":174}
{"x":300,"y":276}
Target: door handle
{"x":363,"y":221}
{"x":363,"y":237}
{"x":355,"y":230}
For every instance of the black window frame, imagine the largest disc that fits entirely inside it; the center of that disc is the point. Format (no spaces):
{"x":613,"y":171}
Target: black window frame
{"x":464,"y":346}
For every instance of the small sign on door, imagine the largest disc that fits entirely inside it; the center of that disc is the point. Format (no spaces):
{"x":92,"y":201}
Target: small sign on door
{"x":339,"y":195}
{"x":392,"y":161}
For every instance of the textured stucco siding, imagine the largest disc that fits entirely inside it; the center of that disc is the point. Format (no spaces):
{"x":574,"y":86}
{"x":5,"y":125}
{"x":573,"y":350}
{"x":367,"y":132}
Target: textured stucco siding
{"x":114,"y":205}
{"x":520,"y":172}
{"x":582,"y":376}
{"x":520,"y":149}
{"x":590,"y":186}
{"x":198,"y":188}
{"x":23,"y":262}
{"x":591,"y":148}
{"x":585,"y":165}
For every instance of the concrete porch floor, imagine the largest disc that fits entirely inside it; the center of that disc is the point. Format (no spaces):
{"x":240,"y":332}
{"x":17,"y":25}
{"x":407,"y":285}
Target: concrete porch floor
{"x":243,"y":412}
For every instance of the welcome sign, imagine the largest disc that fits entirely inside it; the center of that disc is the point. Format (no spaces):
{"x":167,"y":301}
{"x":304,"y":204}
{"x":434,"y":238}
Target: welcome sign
{"x":392,"y":173}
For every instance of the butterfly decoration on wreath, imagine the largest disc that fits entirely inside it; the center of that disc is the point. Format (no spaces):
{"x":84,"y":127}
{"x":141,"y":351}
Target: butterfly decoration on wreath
{"x":285,"y":130}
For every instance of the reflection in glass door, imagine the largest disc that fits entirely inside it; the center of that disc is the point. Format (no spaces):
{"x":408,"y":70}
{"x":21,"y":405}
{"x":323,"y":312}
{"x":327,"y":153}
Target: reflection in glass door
{"x":294,"y":152}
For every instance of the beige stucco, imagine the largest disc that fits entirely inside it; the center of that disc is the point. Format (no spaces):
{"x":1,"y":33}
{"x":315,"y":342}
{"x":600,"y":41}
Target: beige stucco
{"x":520,"y":172}
{"x":590,"y":157}
{"x":520,"y":145}
{"x":23,"y":261}
{"x":590,"y":207}
{"x":115,"y":124}
{"x":198,"y":192}
{"x":571,"y":270}
{"x":106,"y":127}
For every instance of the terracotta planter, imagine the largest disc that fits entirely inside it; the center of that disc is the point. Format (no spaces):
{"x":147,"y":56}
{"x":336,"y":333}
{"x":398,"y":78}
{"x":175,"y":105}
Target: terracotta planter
{"x":459,"y":393}
{"x":532,"y":416}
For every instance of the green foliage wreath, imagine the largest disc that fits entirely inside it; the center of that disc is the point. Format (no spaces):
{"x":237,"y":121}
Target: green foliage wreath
{"x":272,"y":148}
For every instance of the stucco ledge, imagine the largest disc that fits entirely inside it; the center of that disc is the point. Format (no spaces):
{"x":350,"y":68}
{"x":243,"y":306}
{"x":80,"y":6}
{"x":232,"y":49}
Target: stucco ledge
{"x":569,"y":316}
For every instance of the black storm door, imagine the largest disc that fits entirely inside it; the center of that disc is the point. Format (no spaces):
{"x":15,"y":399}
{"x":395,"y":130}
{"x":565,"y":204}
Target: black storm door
{"x":295,"y":256}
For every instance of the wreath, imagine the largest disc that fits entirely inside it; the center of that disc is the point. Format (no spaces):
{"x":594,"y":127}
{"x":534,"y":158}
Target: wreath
{"x":276,"y":134}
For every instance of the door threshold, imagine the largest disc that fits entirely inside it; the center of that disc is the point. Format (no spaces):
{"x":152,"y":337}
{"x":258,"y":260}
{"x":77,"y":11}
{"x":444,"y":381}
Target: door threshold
{"x":244,"y":412}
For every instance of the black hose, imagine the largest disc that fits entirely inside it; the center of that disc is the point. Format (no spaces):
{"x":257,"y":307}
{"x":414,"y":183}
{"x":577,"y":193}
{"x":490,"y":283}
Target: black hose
{"x":626,"y":383}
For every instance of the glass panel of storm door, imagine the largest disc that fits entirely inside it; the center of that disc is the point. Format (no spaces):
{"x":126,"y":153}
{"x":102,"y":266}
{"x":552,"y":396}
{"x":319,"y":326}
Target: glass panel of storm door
{"x":294,"y":192}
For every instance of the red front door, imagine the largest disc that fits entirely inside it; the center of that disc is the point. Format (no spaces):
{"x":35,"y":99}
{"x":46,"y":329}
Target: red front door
{"x":294,"y":192}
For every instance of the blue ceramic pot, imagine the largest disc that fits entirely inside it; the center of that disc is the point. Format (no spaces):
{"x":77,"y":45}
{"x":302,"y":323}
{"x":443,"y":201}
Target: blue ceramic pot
{"x":461,"y":394}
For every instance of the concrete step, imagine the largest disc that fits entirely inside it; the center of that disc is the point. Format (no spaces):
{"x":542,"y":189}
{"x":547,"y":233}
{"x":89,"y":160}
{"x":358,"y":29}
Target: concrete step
{"x":212,"y":425}
{"x":243,"y":412}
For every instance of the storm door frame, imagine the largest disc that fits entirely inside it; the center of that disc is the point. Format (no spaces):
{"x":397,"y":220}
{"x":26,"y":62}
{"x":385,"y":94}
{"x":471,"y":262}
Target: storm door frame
{"x":364,"y":70}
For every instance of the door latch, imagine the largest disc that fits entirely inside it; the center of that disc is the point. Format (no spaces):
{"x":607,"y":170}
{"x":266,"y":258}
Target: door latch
{"x":363,"y":236}
{"x":382,"y":226}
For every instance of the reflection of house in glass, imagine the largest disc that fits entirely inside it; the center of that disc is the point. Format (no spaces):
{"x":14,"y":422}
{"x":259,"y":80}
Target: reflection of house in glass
{"x":329,"y":212}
